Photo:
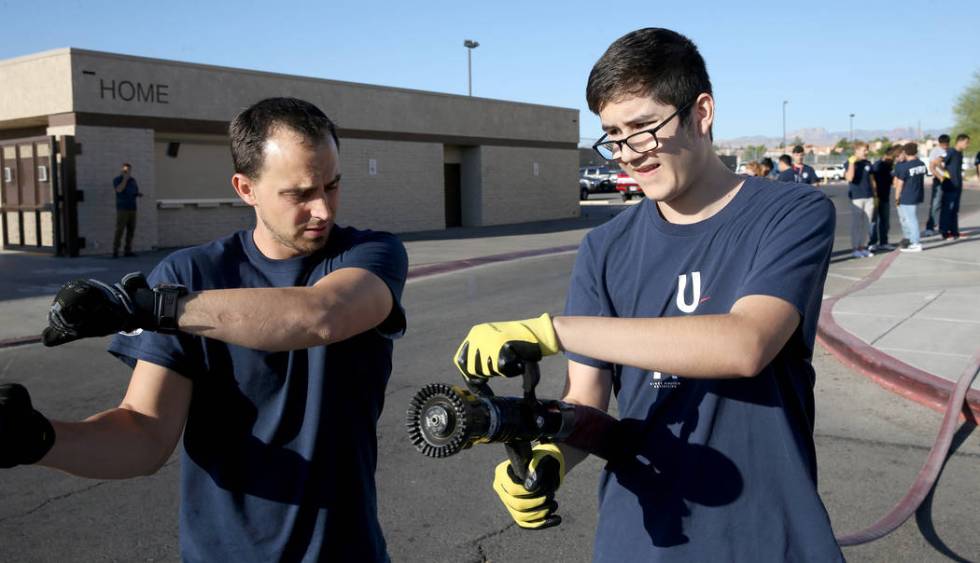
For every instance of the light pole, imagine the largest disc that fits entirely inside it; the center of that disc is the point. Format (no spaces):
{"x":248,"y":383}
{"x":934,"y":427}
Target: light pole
{"x":470,"y":45}
{"x":784,"y":122}
{"x":851,"y":135}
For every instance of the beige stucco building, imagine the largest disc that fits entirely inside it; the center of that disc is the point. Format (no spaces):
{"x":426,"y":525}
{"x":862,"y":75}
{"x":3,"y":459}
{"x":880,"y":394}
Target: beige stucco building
{"x":411,"y":160}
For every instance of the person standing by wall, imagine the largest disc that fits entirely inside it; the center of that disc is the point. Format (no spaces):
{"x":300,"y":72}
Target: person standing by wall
{"x":127,"y":190}
{"x":860,"y":189}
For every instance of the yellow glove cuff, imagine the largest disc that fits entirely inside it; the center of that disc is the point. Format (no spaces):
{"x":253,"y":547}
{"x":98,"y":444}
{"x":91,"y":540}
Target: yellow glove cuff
{"x":544,"y":330}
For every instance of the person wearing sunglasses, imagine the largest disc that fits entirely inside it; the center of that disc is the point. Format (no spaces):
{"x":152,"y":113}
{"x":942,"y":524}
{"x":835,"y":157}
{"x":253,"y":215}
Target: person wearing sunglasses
{"x":698,"y":309}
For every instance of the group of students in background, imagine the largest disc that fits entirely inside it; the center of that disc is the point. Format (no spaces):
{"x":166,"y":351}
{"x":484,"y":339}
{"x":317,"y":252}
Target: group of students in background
{"x":788,"y":169}
{"x":870,"y":190}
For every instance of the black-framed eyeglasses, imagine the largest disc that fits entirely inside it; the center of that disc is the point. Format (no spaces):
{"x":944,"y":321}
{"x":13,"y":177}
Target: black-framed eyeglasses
{"x":639,"y":142}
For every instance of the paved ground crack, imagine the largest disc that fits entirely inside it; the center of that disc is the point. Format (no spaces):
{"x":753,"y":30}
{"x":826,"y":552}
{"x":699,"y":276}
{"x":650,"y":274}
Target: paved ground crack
{"x":867,"y":442}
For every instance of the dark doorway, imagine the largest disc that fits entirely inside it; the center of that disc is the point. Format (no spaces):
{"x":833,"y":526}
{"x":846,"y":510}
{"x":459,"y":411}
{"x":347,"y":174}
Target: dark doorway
{"x":454,"y":198}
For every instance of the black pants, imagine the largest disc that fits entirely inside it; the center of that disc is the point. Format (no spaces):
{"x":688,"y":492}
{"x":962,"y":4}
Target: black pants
{"x":949,"y":215}
{"x":125,"y":220}
{"x":880,"y":224}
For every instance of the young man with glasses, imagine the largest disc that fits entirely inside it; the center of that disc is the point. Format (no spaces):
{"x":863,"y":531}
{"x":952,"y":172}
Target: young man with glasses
{"x":698,"y":309}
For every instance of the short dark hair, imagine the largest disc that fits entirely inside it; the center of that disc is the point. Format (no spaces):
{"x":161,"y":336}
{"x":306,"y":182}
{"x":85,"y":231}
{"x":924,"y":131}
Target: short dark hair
{"x":944,"y":138}
{"x":962,"y":136}
{"x":653,"y":61}
{"x":768,"y":163}
{"x":253,"y":126}
{"x":798,"y":149}
{"x":127,"y":165}
{"x":911,"y":149}
{"x":786,"y":159}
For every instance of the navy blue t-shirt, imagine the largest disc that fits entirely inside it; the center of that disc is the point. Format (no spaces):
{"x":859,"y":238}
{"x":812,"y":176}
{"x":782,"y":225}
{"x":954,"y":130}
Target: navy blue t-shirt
{"x":787,"y":175}
{"x":805,"y":175}
{"x":126,"y":199}
{"x":860,"y":186}
{"x":883,"y":170}
{"x":280,"y":449}
{"x":912,"y":173}
{"x":954,"y":165}
{"x":726,"y":468}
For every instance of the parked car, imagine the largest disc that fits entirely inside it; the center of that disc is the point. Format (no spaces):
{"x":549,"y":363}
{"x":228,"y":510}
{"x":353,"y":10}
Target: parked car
{"x":627,"y":187}
{"x":831,"y":172}
{"x":596,"y":180}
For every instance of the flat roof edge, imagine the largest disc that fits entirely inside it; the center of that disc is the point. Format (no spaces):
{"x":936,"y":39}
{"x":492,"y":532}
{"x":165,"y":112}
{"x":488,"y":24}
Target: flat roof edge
{"x":119,"y":56}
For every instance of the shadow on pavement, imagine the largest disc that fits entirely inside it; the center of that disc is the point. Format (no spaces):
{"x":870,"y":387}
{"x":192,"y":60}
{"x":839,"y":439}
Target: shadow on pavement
{"x":923,"y":516}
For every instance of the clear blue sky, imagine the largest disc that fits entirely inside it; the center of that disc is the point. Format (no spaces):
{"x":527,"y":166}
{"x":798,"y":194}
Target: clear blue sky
{"x":893,"y":64}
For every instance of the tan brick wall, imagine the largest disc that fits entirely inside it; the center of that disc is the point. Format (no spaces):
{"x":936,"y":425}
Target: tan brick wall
{"x":104,"y":149}
{"x":190,"y":225}
{"x":201,"y":169}
{"x":511,"y":193}
{"x":405,"y":195}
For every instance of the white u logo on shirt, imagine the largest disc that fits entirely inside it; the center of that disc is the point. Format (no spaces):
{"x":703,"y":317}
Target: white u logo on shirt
{"x":695,"y":292}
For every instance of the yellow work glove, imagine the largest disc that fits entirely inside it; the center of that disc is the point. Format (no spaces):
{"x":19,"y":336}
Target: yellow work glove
{"x":532,"y":504}
{"x":852,"y":159}
{"x":502,"y":348}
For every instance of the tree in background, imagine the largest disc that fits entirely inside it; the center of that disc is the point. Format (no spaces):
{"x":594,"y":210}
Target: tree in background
{"x":880,"y":151}
{"x":843,"y":146}
{"x":796,"y":141}
{"x":753,"y":152}
{"x":967,"y":112}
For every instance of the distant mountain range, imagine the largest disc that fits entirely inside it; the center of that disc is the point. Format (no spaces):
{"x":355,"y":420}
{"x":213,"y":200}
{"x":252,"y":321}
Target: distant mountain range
{"x":820,"y":136}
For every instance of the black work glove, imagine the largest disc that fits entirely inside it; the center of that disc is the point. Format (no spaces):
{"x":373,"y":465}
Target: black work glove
{"x":84,"y":308}
{"x":25,"y":435}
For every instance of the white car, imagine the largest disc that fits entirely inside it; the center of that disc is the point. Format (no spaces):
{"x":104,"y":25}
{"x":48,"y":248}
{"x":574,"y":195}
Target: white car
{"x":831,"y":172}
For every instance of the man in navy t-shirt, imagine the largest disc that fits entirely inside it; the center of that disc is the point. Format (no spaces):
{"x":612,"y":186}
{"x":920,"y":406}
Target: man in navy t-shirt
{"x":698,"y":308}
{"x":268,"y":349}
{"x":951,"y":174}
{"x":803,"y":173}
{"x":883,"y":171}
{"x":860,"y":190}
{"x":786,"y":172}
{"x":909,"y":181}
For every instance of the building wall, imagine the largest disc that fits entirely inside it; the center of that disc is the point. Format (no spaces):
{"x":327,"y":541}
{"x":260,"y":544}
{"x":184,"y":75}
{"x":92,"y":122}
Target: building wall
{"x":513,"y":193}
{"x":104,"y":149}
{"x":406,"y":192}
{"x":35,"y":85}
{"x":123,"y":85}
{"x":201,"y":169}
{"x":190,"y":224}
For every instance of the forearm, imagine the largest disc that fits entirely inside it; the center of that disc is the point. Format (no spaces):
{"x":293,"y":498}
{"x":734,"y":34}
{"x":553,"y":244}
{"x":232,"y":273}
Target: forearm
{"x":115,"y":444}
{"x":703,"y":346}
{"x":270,"y":319}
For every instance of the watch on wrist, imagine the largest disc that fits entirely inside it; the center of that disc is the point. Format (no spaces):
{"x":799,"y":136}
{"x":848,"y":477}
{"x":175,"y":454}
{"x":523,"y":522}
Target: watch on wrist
{"x":166,"y":298}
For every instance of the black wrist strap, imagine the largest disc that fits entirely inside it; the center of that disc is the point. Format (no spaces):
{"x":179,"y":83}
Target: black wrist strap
{"x":166,"y":300}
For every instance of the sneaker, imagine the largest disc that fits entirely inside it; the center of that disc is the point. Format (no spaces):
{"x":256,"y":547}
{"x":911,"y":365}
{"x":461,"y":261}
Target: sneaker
{"x":929,"y":233}
{"x":913,"y":248}
{"x":886,"y":247}
{"x":873,"y":247}
{"x":857,"y":254}
{"x":903,"y":243}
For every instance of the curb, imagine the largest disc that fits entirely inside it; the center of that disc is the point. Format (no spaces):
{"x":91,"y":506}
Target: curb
{"x":887,"y":371}
{"x":417,"y":272}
